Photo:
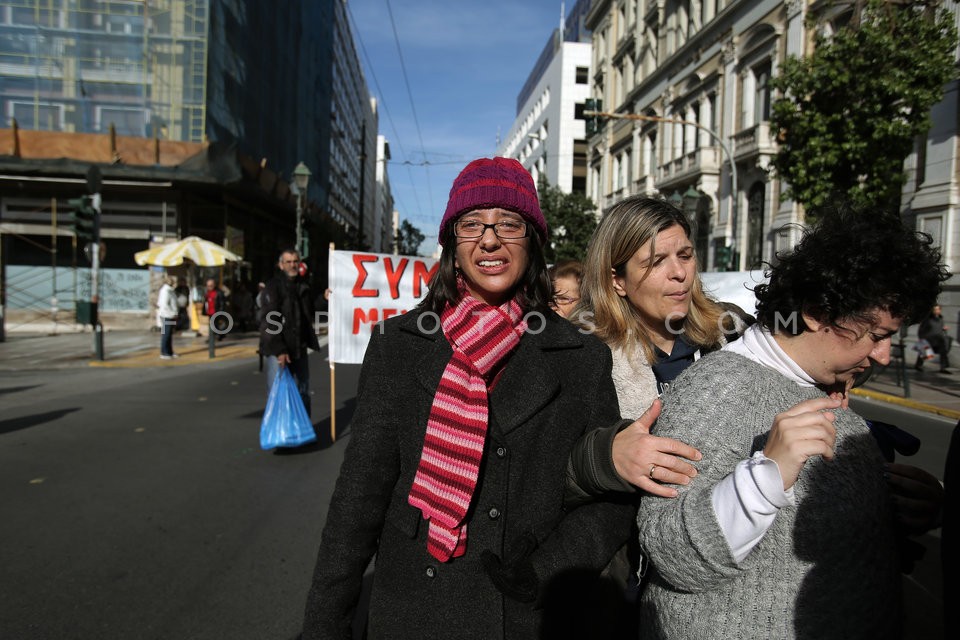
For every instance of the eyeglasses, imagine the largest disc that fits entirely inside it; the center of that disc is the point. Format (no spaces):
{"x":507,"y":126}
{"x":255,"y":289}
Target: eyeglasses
{"x":505,"y":229}
{"x":566,"y":300}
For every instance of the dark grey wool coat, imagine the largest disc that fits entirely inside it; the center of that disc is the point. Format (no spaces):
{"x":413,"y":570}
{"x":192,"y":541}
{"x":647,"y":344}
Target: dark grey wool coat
{"x":556,"y":386}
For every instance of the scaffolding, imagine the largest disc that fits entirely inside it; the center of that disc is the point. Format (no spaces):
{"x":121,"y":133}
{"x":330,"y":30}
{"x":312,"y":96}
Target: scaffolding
{"x":81,"y":65}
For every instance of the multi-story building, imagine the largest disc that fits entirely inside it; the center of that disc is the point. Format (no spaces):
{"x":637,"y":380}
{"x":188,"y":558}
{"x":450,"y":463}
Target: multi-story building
{"x":382,"y":237}
{"x":80,"y":66}
{"x":692,"y":77}
{"x":696,"y":74}
{"x":547,"y":137}
{"x":256,"y":89}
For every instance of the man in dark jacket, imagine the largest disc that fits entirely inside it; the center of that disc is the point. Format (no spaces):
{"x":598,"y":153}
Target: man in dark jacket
{"x":286,"y":327}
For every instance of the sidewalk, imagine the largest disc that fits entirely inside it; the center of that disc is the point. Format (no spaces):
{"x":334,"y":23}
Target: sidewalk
{"x":929,"y":390}
{"x":121,"y":349}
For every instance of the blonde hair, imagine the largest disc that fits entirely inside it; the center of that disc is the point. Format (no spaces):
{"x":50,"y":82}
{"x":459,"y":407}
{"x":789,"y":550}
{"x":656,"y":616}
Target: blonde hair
{"x":622,"y":231}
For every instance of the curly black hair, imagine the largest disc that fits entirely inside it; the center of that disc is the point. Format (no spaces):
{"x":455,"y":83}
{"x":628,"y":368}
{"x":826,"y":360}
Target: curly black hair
{"x":850,"y":264}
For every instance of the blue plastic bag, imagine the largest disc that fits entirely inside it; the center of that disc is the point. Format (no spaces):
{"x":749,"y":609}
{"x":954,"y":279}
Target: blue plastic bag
{"x":285,"y":420}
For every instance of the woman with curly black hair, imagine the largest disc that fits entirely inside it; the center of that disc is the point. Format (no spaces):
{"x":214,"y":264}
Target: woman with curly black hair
{"x":789,"y":531}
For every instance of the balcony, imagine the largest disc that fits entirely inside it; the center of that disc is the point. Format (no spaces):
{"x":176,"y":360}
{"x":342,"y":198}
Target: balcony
{"x":753,"y":141}
{"x":690,"y":166}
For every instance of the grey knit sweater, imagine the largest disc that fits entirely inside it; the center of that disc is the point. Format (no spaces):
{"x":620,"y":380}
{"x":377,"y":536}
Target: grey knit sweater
{"x":827,"y":568}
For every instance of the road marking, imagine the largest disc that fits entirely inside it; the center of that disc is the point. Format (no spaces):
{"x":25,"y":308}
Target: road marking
{"x":912,"y":404}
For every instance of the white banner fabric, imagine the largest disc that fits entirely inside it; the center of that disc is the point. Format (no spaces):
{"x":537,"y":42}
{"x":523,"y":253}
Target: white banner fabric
{"x":367,"y":288}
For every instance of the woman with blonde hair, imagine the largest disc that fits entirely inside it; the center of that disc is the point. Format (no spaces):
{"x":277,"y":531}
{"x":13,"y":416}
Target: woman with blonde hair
{"x":641,"y":294}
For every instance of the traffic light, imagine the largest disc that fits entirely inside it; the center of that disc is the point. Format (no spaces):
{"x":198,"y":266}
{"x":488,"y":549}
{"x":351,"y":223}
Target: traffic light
{"x":84,"y":217}
{"x":590,"y":105}
{"x":594,"y":122}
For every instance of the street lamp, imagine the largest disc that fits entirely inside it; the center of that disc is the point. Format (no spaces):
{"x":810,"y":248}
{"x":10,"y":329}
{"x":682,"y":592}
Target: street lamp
{"x":676,"y":199}
{"x":301,"y":178}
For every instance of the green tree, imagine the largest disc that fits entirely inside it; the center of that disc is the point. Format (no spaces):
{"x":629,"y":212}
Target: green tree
{"x":852,"y":110}
{"x":570,"y":222}
{"x":408,"y":239}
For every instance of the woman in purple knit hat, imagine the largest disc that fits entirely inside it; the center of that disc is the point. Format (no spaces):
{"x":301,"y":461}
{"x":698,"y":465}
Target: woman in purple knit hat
{"x":454,"y":474}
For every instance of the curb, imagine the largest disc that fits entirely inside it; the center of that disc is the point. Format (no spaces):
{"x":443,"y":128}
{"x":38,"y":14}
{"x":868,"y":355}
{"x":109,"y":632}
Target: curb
{"x":911,"y":404}
{"x":148,"y":358}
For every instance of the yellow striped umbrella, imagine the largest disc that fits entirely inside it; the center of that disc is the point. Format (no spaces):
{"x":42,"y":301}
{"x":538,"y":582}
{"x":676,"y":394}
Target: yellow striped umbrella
{"x":201,"y":252}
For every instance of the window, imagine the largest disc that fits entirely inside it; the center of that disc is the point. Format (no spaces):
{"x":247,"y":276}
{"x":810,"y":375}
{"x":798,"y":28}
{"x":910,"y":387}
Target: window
{"x":701,"y":231}
{"x":932,"y":225}
{"x":755,"y":226}
{"x":761,"y":103}
{"x":712,"y":100}
{"x":583,"y":75}
{"x":39,"y":116}
{"x":651,"y":154}
{"x":127,"y":122}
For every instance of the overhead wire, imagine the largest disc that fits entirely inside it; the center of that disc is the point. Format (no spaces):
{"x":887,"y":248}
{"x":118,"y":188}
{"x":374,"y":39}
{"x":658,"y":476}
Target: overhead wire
{"x":383,"y":103}
{"x":413,"y":108}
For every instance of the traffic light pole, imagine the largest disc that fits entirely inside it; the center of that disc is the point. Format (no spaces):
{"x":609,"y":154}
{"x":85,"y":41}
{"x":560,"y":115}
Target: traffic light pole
{"x":95,"y":280}
{"x":733,"y":165}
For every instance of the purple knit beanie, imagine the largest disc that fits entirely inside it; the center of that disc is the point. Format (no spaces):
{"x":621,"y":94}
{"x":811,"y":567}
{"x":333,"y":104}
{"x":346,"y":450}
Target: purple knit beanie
{"x":489,"y":183}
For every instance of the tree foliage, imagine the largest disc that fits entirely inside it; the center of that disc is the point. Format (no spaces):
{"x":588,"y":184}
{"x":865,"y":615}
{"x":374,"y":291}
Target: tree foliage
{"x":408,"y":239}
{"x":570,"y":222}
{"x":852,"y":110}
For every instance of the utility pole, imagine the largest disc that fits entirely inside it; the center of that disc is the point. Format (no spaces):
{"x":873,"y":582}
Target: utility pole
{"x":734,"y":217}
{"x":94,"y":182}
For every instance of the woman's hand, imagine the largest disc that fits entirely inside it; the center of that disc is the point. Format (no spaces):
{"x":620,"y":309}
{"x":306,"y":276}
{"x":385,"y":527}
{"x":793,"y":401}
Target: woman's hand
{"x":917,"y":498}
{"x":646,"y":460}
{"x":799,"y":433}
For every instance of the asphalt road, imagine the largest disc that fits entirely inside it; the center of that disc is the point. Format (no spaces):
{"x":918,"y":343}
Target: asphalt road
{"x":138,"y":504}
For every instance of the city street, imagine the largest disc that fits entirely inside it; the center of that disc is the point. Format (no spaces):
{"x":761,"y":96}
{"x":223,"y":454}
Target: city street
{"x":138,"y":503}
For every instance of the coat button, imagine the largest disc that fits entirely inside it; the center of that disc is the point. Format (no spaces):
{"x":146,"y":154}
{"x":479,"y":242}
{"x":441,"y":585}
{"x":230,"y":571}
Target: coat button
{"x":431,"y":572}
{"x":494,"y":513}
{"x":501,"y":452}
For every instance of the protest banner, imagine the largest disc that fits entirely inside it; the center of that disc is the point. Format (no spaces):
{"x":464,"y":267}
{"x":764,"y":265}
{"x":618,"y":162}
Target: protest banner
{"x":367,"y":288}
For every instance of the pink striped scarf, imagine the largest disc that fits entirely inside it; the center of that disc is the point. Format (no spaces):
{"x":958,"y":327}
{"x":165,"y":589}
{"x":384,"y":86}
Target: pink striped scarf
{"x":482,"y":338}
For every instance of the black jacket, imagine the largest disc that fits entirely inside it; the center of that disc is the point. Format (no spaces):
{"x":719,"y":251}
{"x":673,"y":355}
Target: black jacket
{"x":287,"y":318}
{"x":556,"y":386}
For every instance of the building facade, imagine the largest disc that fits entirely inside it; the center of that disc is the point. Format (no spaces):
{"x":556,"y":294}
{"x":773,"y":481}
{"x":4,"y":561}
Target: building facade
{"x":689,"y":81}
{"x":693,"y":76}
{"x":256,"y":90}
{"x":80,"y":66}
{"x":382,"y":237}
{"x":547,"y":136}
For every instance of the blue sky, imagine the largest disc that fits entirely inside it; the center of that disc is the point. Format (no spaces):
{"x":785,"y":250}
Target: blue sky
{"x":465,"y":63}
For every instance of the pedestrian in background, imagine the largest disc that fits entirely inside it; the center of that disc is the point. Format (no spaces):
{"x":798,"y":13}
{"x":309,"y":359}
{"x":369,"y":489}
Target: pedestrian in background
{"x":182,"y":292}
{"x":467,"y":409}
{"x":790,"y":531}
{"x":215,"y":302}
{"x":286,"y":325}
{"x":934,"y":331}
{"x":167,"y":311}
{"x":566,"y":276}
